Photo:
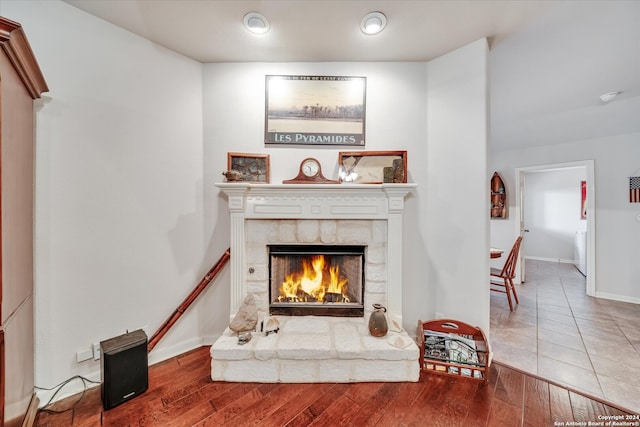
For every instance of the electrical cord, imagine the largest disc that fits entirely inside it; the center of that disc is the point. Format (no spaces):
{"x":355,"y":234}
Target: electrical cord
{"x":59,"y":387}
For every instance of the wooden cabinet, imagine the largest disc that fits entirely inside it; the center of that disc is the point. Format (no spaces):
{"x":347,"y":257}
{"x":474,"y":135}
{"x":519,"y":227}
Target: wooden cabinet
{"x":21,"y":82}
{"x":451,"y":347}
{"x":498,"y":198}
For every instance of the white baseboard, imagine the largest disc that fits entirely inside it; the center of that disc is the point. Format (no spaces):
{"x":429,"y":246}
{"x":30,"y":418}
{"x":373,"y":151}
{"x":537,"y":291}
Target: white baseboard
{"x":537,"y":258}
{"x":157,"y":355}
{"x":160,"y":354}
{"x":615,"y":297}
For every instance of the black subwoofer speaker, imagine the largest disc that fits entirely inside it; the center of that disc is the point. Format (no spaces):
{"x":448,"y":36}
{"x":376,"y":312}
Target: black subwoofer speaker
{"x":124,"y":368}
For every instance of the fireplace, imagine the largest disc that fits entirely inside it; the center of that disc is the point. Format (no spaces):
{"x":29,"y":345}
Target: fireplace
{"x":277,"y":230}
{"x":320,"y":280}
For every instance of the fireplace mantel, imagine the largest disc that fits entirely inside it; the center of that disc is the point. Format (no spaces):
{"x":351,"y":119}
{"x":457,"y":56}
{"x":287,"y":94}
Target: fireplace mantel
{"x":317,"y":202}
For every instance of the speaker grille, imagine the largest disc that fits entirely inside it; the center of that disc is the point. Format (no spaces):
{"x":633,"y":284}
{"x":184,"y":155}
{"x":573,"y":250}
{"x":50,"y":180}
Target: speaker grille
{"x":124,"y":368}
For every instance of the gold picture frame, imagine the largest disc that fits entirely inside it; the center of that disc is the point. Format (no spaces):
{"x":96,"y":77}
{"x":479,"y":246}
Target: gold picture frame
{"x":372,"y":167}
{"x":252,"y":167}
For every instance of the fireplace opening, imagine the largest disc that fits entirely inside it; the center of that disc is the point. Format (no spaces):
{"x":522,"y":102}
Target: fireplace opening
{"x":317,"y":280}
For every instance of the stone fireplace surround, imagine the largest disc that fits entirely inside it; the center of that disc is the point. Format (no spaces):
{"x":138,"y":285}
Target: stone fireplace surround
{"x":312,"y":348}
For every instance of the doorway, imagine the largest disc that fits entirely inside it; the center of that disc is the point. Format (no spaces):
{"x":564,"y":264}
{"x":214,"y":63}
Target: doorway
{"x":521,"y":215}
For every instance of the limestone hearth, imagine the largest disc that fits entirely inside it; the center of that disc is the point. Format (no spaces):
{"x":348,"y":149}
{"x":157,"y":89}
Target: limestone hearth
{"x":310,"y":348}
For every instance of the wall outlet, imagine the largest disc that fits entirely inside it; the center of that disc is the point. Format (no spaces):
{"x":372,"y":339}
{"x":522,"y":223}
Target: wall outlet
{"x":96,"y":351}
{"x":83,"y":355}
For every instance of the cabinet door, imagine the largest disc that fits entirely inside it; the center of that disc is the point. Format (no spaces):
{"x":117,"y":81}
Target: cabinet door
{"x":20,"y":84}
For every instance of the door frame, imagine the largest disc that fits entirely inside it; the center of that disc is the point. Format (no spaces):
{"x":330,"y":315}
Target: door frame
{"x":591,"y":214}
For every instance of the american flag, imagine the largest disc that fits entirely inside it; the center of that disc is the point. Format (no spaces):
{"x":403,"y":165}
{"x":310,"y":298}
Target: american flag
{"x":634,"y":189}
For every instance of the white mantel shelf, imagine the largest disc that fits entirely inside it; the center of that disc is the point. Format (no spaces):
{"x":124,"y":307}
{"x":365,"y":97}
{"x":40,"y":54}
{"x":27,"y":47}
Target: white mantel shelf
{"x":316,"y":201}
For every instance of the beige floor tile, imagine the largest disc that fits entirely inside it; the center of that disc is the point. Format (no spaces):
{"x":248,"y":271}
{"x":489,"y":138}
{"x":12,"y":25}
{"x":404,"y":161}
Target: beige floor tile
{"x":551,"y":325}
{"x":513,"y":320}
{"x":632,"y":335}
{"x":554,"y":316}
{"x":509,"y":355}
{"x":587,"y":316}
{"x":614,"y":334}
{"x":594,"y":320}
{"x":620,"y":368}
{"x":521,"y":340}
{"x":553,"y":308}
{"x":564,"y":354}
{"x":567,"y":374}
{"x":629,"y":315}
{"x":599,"y":353}
{"x":620,"y":393}
{"x":613,"y":347}
{"x":570,"y":341}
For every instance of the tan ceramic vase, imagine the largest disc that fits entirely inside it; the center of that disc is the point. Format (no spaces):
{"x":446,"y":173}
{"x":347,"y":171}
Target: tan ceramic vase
{"x":378,"y":321}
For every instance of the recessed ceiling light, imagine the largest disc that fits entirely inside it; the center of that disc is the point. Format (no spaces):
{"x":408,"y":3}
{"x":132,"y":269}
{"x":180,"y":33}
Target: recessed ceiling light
{"x":373,"y":23}
{"x":256,"y":23}
{"x":607,"y":97}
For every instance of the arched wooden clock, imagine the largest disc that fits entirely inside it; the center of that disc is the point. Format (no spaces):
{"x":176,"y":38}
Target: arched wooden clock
{"x":310,"y":173}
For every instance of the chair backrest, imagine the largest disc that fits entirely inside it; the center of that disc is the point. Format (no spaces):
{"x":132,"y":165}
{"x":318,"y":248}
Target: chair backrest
{"x":509,"y":268}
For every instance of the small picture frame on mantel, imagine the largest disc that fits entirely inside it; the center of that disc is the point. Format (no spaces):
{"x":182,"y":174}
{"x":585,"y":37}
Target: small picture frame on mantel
{"x":251,"y":167}
{"x":372,"y":167}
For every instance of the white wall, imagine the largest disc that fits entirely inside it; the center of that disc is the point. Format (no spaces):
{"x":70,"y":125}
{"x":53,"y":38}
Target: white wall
{"x":617,"y":228}
{"x":552,"y":208}
{"x":132,"y":138}
{"x":119,"y":215}
{"x":438,"y":227}
{"x":456,"y":213}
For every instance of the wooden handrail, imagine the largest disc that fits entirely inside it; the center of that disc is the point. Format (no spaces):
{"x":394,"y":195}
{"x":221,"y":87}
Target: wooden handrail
{"x":224,"y":259}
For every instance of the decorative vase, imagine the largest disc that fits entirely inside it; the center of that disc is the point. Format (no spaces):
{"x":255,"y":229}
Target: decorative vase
{"x":378,"y":321}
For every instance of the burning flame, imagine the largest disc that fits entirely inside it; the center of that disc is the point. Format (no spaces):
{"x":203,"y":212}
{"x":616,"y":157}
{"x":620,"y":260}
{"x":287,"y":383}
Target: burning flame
{"x":314,"y":282}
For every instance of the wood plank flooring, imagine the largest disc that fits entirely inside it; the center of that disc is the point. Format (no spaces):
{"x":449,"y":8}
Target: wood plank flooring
{"x":181,"y":393}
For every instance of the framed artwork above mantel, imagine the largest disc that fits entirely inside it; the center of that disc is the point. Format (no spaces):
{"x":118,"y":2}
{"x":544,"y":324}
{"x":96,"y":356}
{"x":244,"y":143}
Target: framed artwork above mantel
{"x":315,"y":110}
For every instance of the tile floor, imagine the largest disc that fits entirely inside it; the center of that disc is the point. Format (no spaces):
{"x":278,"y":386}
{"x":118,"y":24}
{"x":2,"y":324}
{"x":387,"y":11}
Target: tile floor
{"x":561,"y":334}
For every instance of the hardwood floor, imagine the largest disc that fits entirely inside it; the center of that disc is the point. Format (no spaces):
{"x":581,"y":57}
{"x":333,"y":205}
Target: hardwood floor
{"x":181,"y":393}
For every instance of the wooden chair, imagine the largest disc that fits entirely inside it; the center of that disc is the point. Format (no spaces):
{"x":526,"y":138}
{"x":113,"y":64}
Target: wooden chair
{"x":504,"y":278}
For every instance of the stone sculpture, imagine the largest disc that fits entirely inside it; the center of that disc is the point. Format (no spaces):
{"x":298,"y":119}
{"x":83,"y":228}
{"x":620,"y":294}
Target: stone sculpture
{"x":246,"y":318}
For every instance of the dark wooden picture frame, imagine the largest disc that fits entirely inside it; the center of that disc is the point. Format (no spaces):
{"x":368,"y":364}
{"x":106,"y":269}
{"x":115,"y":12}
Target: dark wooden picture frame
{"x":372,"y":167}
{"x":253,"y":167}
{"x":315,"y":110}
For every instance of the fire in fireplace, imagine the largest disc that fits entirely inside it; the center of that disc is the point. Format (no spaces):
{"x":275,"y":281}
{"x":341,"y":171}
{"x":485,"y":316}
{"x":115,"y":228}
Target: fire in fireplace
{"x":316,"y":280}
